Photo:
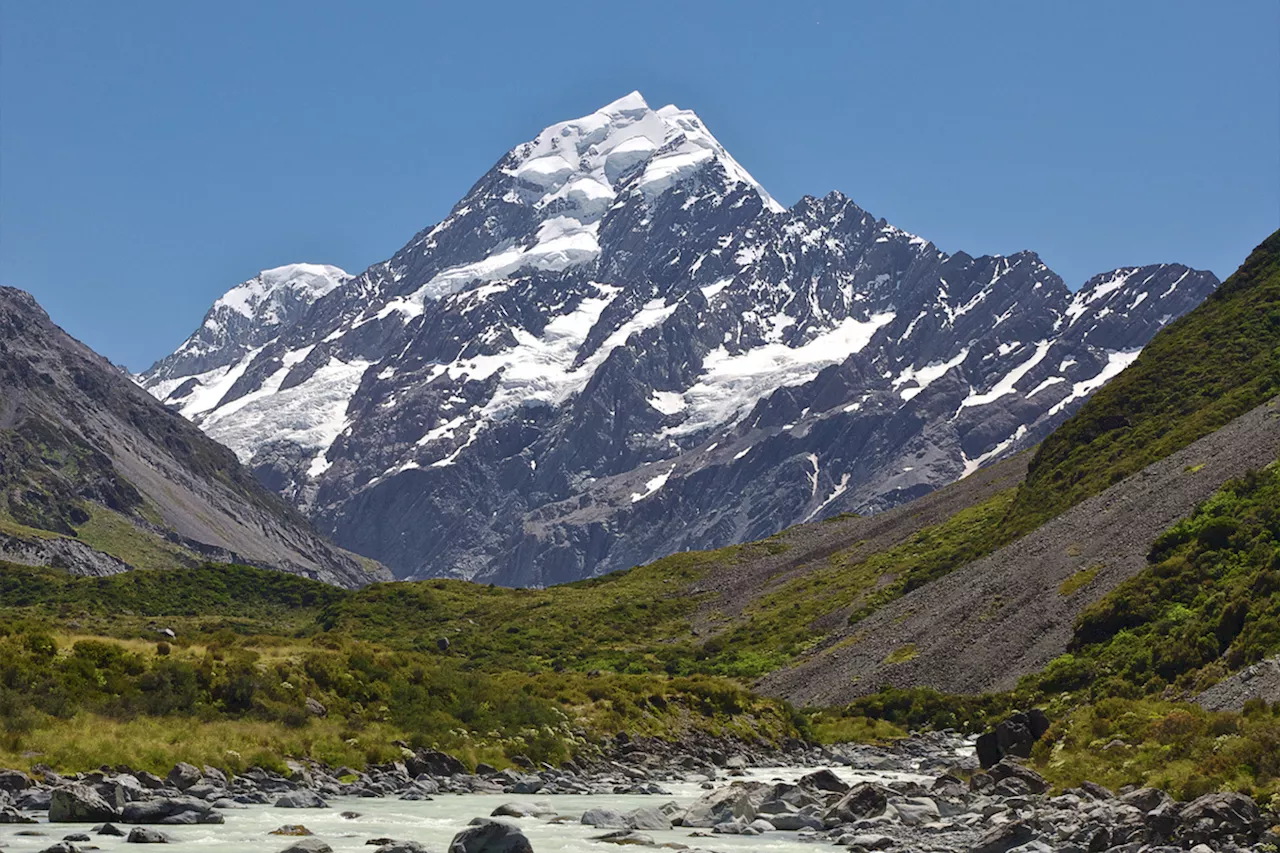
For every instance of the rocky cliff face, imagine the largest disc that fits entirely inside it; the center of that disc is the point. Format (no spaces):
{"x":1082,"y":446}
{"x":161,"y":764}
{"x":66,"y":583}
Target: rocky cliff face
{"x":618,"y":346}
{"x":95,"y":474}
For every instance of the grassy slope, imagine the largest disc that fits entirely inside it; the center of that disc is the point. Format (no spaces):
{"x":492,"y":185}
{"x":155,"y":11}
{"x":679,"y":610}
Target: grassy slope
{"x":1212,"y":365}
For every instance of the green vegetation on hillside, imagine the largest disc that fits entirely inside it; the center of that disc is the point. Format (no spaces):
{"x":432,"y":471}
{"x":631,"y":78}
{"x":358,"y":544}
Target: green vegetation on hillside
{"x":1208,"y":603}
{"x":1196,"y":375}
{"x":250,"y":651}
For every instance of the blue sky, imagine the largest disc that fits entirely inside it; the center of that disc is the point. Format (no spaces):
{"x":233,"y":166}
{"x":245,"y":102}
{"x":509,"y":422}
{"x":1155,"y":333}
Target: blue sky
{"x":154,"y":154}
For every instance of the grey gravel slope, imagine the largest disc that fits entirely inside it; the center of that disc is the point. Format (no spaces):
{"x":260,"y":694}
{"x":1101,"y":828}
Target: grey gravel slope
{"x":151,"y":467}
{"x":985,"y":625}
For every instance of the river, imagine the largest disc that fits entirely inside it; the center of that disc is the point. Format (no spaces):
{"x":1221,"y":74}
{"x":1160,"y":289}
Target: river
{"x":435,"y":822}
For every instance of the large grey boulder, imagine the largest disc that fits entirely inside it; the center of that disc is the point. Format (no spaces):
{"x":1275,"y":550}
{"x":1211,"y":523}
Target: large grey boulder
{"x":142,"y":835}
{"x":604,"y":819}
{"x":77,"y":803}
{"x":14,"y":781}
{"x":648,"y":819}
{"x":739,"y":800}
{"x":184,"y":776}
{"x":1217,"y":817}
{"x":824,"y":780}
{"x":490,"y":836}
{"x":525,"y":808}
{"x":301,"y":800}
{"x":308,"y":845}
{"x":863,"y":800}
{"x":171,"y":811}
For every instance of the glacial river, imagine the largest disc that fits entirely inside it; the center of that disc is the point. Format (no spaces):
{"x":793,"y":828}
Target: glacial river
{"x":435,"y":822}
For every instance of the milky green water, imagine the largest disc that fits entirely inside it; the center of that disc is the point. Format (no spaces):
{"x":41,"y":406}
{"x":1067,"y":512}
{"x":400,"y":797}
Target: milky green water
{"x":434,"y":823}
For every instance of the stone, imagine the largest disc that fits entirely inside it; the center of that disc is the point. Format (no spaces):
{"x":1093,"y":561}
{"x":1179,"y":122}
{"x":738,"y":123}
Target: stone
{"x":1009,"y":769}
{"x":1215,"y":817}
{"x":183,"y":776}
{"x":308,"y":845}
{"x":490,"y":836}
{"x":717,"y":806}
{"x":1146,"y":799}
{"x":171,"y":810}
{"x":434,"y":763}
{"x":863,"y":800}
{"x":1004,"y":838}
{"x":295,"y":829}
{"x":402,"y":847}
{"x":524,"y":808}
{"x":604,"y":819}
{"x":824,"y":780}
{"x":142,"y":835}
{"x":647,"y":819}
{"x":110,"y":829}
{"x":14,"y":781}
{"x":316,"y":708}
{"x":796,"y":821}
{"x":301,"y":800}
{"x":988,"y":750}
{"x":77,"y":803}
{"x":914,"y":811}
{"x":626,"y":837}
{"x":10,"y":815}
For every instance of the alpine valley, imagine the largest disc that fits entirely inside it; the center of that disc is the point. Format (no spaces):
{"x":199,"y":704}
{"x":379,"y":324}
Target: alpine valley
{"x":618,"y":346}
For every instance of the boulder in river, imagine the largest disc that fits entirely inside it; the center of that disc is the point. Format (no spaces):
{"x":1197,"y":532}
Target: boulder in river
{"x":308,"y":845}
{"x":301,"y":800}
{"x":490,"y":836}
{"x":142,"y":835}
{"x":863,"y":800}
{"x":77,"y":803}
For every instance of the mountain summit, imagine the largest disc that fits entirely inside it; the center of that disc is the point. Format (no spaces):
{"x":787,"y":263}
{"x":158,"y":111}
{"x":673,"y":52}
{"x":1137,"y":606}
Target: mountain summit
{"x":617,"y":345}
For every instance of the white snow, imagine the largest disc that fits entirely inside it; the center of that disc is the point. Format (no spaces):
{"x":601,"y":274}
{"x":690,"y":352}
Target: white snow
{"x":1008,"y":383}
{"x":709,"y":292}
{"x":1081,"y":301}
{"x":1116,"y":362}
{"x":731,"y":383}
{"x":667,"y":402}
{"x":310,"y":415}
{"x":971,"y":465}
{"x":926,"y":375}
{"x":1052,"y":380}
{"x":259,"y":297}
{"x":839,"y":490}
{"x":652,"y":486}
{"x":577,"y":165}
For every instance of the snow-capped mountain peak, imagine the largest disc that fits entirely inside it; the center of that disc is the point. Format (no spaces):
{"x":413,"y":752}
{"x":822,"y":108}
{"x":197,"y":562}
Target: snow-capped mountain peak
{"x":564,"y":182}
{"x":617,"y":345}
{"x":262,"y":296}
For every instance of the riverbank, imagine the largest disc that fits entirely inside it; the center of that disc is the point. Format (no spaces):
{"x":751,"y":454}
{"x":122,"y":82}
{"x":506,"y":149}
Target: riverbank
{"x":923,"y":793}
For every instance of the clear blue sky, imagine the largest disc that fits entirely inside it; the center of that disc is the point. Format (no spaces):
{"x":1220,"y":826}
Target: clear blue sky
{"x":153,"y":154}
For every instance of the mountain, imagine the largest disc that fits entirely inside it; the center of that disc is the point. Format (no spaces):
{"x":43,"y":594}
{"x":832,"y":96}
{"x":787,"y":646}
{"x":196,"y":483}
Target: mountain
{"x":618,"y":346}
{"x":98,"y":477}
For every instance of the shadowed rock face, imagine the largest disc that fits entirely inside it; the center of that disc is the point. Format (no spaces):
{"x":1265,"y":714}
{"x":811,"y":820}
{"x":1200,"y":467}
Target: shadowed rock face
{"x":618,"y":346}
{"x":78,"y":438}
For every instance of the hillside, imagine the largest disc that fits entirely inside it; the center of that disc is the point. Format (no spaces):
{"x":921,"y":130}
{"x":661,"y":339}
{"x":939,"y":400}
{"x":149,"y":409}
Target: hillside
{"x":98,"y":477}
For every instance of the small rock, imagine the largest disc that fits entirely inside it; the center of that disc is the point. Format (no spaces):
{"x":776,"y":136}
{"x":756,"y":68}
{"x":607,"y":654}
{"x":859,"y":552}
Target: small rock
{"x":142,"y":835}
{"x":292,"y":829}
